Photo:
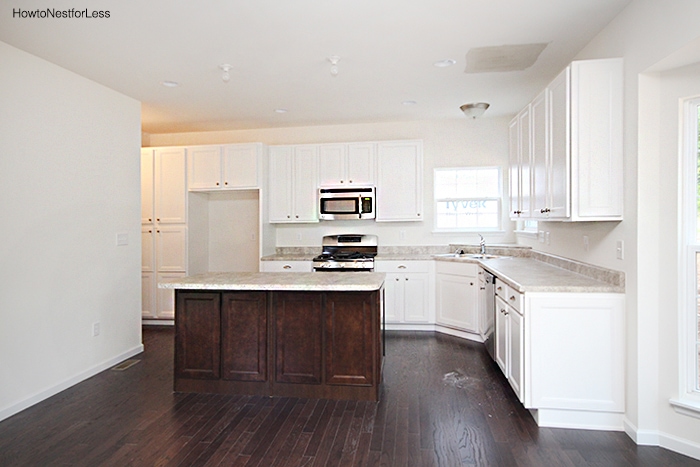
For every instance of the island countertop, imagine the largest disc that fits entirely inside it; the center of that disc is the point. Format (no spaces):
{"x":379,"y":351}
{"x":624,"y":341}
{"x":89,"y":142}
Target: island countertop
{"x":282,"y":281}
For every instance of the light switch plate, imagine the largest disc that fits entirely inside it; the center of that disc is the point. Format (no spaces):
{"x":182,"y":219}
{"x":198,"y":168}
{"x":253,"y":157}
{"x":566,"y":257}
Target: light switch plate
{"x":122,"y":239}
{"x":620,"y":249}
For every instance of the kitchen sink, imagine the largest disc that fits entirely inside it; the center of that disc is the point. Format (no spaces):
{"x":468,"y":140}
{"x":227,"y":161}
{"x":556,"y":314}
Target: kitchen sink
{"x":466,"y":255}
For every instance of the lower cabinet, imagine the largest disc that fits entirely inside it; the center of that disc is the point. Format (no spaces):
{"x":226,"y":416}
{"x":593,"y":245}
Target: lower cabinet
{"x":286,"y":266}
{"x":456,"y":293}
{"x":408,"y":291}
{"x":509,"y":345}
{"x":297,"y":344}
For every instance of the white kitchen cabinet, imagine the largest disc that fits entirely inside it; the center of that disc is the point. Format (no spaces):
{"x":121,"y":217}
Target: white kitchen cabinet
{"x":164,"y":228}
{"x":399,"y":181}
{"x":347,"y":164}
{"x":407,"y":291}
{"x":286,"y":266}
{"x":520,"y":164}
{"x":576,"y":132}
{"x":456,"y":292}
{"x":293,"y":183}
{"x":227,"y":167}
{"x":484,"y":308}
{"x":510,"y":343}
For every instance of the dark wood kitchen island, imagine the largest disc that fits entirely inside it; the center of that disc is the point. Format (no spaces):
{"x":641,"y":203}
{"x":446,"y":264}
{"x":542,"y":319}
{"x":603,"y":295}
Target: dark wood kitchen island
{"x":310,"y":335}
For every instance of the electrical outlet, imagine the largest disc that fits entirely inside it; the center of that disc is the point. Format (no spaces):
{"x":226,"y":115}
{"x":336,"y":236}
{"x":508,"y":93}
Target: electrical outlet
{"x":546,"y":238}
{"x":540,"y":236}
{"x":122,"y":239}
{"x":299,"y":236}
{"x":95,"y":329}
{"x":402,"y":234}
{"x":586,"y":243}
{"x":620,"y":249}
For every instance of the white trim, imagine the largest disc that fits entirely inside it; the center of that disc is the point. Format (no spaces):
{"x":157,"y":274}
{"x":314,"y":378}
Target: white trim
{"x":688,"y":400}
{"x":40,"y":396}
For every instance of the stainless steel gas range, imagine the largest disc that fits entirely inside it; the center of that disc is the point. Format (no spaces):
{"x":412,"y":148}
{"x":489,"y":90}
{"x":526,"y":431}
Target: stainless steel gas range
{"x":351,"y":252}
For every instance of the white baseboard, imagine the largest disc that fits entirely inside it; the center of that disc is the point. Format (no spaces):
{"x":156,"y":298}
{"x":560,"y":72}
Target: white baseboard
{"x":158,"y":322}
{"x":656,"y":438}
{"x":13,"y":409}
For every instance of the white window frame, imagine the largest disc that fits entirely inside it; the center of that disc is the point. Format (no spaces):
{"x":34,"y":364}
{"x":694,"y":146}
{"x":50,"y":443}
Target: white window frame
{"x":688,"y":401}
{"x":498,"y":199}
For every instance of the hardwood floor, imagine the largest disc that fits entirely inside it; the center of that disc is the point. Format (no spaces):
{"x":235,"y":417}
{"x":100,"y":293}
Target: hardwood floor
{"x":443,"y":404}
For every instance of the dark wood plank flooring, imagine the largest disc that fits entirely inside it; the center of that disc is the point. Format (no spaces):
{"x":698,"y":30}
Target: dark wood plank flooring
{"x":444,"y":403}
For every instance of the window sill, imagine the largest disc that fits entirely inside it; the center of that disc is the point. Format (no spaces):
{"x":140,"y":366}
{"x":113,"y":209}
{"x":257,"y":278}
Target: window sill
{"x":688,"y":407}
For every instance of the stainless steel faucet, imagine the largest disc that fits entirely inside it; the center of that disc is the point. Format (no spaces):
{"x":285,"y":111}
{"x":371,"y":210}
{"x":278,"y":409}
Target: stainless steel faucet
{"x":482,"y":245}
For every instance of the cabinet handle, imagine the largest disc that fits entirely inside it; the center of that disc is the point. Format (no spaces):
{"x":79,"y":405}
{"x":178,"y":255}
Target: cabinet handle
{"x":286,"y":266}
{"x":402,"y":266}
{"x":499,"y":288}
{"x":517,"y":212}
{"x":397,"y":279}
{"x":545,"y":210}
{"x":482,"y":288}
{"x":512,"y":298}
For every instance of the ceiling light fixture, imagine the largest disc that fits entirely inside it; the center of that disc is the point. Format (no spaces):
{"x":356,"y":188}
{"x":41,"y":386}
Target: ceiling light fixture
{"x":475,"y":109}
{"x":226,"y":77}
{"x":281,"y":111}
{"x":170,"y":84}
{"x":334,"y":59}
{"x":409,"y":103}
{"x":444,"y":63}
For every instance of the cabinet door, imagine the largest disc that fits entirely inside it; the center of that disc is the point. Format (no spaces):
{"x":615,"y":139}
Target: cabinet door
{"x":170,"y":188}
{"x":147,"y":253}
{"x":305,"y":183}
{"x":502,"y":335}
{"x":171,"y":248}
{"x":204,"y":168}
{"x":148,"y":295}
{"x":165,"y":298}
{"x":198,"y":331}
{"x":456,"y":301}
{"x":331,"y":164}
{"x":298,"y":337}
{"x":241,"y":165}
{"x":415,"y":297}
{"x":147,"y":186}
{"x":394,"y":298}
{"x":281,"y":172}
{"x":361,"y":161}
{"x":244,"y":336}
{"x":540,"y":157}
{"x":558,"y":95}
{"x":350,"y":341}
{"x":514,"y":169}
{"x":400,"y":181}
{"x":525,"y":161}
{"x":515,"y":352}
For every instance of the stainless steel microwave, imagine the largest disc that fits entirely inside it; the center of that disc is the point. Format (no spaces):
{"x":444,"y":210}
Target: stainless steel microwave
{"x":346,"y":203}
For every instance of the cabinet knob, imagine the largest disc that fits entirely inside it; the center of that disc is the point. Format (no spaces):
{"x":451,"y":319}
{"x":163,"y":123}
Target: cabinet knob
{"x":517,"y":212}
{"x":297,"y":216}
{"x":158,"y":219}
{"x":150,"y":220}
{"x":397,"y":279}
{"x":471,"y":283}
{"x":150,"y":231}
{"x":217,"y":183}
{"x":288,"y":217}
{"x":225,"y":183}
{"x":512,"y":298}
{"x":418,"y":214}
{"x":342,"y":181}
{"x":157,"y":231}
{"x":406,"y":279}
{"x":545,"y":210}
{"x":499,"y":288}
{"x":350,"y":181}
{"x":482,"y":288}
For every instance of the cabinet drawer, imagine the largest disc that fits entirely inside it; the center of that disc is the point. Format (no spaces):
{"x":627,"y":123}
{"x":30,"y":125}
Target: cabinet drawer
{"x":455,"y":268}
{"x":509,"y":295}
{"x":286,"y":266}
{"x":402,"y":266}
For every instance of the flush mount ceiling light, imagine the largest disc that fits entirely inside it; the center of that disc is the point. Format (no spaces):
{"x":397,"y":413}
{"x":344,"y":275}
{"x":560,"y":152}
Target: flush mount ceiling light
{"x":281,"y":111}
{"x":444,"y":63}
{"x":226,"y":77}
{"x":409,"y":103}
{"x":475,"y":109}
{"x":334,"y":59}
{"x":170,"y":84}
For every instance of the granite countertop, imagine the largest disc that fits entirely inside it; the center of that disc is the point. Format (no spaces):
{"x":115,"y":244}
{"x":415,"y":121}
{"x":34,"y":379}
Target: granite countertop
{"x":281,"y":281}
{"x":531,"y":275}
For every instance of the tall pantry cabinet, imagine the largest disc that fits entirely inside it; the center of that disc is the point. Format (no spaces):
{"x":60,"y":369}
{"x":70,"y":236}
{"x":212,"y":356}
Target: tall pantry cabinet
{"x":163,"y":227}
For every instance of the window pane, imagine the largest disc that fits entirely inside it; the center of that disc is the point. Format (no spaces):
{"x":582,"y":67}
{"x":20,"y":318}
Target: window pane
{"x":697,"y":320}
{"x":468,"y":214}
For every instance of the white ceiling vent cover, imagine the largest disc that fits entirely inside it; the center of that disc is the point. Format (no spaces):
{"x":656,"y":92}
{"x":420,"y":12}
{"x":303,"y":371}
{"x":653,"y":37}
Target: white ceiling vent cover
{"x":503,"y":58}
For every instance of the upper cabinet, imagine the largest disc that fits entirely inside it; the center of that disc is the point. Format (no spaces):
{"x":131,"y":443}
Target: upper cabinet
{"x":520,"y":163}
{"x":575,"y":138}
{"x":346,"y":164}
{"x":293,"y":183}
{"x":228,"y":167}
{"x":399,"y":181}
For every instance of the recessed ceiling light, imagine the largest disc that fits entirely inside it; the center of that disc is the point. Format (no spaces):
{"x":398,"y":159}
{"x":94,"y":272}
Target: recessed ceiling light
{"x":170,"y":84}
{"x":445,"y":63}
{"x":409,"y":102}
{"x":281,"y":111}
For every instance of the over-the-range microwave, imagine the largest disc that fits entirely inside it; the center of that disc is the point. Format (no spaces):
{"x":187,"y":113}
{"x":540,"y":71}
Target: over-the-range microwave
{"x":346,"y":203}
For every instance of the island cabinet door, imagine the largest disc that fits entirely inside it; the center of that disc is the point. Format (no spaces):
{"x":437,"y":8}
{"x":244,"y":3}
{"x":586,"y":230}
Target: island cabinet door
{"x":350,"y":349}
{"x":244,"y":336}
{"x":198,"y":334}
{"x":298,"y":335}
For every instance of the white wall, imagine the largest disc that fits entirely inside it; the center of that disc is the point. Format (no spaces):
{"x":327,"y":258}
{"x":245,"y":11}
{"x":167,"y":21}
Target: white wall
{"x":446,"y":143}
{"x":69,"y":182}
{"x":645,"y":33}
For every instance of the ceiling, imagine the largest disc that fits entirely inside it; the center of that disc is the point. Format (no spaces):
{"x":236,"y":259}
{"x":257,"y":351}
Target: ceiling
{"x":278,"y":51}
